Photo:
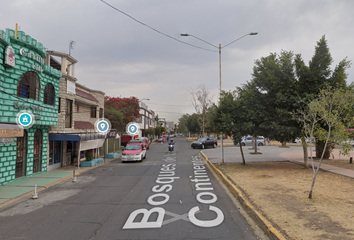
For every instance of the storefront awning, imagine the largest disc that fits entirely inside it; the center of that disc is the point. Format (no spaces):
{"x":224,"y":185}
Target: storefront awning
{"x":91,"y":144}
{"x":64,"y":137}
{"x":76,"y":137}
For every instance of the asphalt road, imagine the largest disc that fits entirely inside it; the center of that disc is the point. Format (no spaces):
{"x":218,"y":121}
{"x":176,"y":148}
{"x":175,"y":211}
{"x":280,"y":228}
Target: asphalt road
{"x":167,"y":196}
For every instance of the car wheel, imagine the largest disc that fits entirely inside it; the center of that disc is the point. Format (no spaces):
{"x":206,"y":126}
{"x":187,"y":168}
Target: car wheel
{"x":214,"y":145}
{"x":260,"y":144}
{"x":243,"y":144}
{"x":145,"y":156}
{"x":193,"y":147}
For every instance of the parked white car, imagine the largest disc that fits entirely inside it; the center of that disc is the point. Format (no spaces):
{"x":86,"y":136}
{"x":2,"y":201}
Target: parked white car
{"x":247,"y":141}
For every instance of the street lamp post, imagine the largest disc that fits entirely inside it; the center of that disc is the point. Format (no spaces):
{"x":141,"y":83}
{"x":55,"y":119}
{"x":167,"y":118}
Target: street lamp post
{"x":219,"y":48}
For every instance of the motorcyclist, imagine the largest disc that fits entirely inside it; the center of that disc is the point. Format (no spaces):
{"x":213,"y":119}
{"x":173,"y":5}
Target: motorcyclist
{"x":171,"y":143}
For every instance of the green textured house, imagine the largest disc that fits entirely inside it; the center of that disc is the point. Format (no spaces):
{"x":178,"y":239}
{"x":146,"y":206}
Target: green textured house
{"x":27,"y":85}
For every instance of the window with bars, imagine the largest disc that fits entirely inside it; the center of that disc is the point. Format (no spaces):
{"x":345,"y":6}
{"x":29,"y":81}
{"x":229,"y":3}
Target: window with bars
{"x":28,"y":86}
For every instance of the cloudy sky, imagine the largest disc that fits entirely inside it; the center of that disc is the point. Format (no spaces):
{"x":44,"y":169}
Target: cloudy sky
{"x":134,"y":47}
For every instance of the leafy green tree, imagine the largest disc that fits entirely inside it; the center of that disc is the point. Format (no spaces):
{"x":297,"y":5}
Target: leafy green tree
{"x":150,"y":131}
{"x":230,"y":118}
{"x":252,"y":99}
{"x":274,"y":77}
{"x":182,"y":121}
{"x":158,"y":131}
{"x":192,"y":123}
{"x":318,"y":75}
{"x":116,"y":118}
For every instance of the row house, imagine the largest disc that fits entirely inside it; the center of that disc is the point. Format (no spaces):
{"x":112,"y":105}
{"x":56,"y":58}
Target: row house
{"x":146,"y":119}
{"x":79,"y":109}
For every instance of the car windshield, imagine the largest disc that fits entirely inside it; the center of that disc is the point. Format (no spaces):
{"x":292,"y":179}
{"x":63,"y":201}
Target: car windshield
{"x":133,"y":147}
{"x":202,"y":139}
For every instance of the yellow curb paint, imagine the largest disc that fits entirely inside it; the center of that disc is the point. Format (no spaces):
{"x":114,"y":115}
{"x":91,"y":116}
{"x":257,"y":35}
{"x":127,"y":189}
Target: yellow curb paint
{"x":231,"y":186}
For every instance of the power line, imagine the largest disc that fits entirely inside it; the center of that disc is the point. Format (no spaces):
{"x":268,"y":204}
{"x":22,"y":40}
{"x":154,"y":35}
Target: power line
{"x":164,"y":34}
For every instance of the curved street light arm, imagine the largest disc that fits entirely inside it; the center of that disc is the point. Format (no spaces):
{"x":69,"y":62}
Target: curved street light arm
{"x":252,"y":33}
{"x":187,"y":35}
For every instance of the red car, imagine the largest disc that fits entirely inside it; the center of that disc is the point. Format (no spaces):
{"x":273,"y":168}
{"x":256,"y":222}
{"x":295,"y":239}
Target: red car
{"x":134,"y":152}
{"x":145,"y":140}
{"x":140,"y":141}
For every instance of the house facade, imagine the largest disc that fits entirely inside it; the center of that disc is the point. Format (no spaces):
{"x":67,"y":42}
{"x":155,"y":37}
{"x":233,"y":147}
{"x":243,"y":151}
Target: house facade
{"x":79,"y":109}
{"x":27,"y":85}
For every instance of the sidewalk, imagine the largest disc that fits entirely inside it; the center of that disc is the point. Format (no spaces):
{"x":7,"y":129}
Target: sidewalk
{"x":25,"y":186}
{"x":272,"y":153}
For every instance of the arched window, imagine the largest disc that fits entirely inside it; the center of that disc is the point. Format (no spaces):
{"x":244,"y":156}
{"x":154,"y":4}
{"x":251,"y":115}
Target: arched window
{"x":28,"y":86}
{"x":49,"y":94}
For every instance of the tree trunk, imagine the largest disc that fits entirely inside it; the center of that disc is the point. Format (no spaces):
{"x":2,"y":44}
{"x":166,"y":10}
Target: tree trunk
{"x":283,"y":144}
{"x":320,"y":145}
{"x":243,"y":157}
{"x":306,"y":153}
{"x":255,"y":145}
{"x":319,"y":163}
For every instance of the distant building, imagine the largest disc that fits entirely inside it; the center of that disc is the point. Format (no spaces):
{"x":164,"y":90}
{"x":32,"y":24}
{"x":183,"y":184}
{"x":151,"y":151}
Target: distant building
{"x":170,"y":126}
{"x":146,"y":119}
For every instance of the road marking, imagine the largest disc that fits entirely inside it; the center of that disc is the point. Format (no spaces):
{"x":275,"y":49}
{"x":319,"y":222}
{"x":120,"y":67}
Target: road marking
{"x":175,"y":217}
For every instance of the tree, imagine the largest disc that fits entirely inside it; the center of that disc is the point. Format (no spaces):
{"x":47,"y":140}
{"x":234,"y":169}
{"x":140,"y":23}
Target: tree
{"x":274,"y":76}
{"x":192,"y":123}
{"x":332,"y":108}
{"x":182,"y":121}
{"x":201,"y":102}
{"x":252,"y":100}
{"x":318,"y":75}
{"x":230,"y":118}
{"x":115,"y":117}
{"x":128,"y":106}
{"x":150,"y":131}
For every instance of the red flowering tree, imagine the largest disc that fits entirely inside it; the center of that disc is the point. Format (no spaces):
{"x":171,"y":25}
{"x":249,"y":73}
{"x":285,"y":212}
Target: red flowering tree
{"x":128,"y":106}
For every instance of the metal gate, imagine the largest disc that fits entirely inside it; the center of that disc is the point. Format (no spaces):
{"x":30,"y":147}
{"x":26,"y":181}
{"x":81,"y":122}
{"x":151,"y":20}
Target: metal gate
{"x":21,"y":156}
{"x":37,"y":151}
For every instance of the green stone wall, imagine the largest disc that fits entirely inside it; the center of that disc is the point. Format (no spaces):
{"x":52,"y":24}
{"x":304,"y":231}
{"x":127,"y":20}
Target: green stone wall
{"x":9,"y":77}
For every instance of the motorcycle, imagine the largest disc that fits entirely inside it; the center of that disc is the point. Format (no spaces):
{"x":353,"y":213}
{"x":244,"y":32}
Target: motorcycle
{"x":171,"y":147}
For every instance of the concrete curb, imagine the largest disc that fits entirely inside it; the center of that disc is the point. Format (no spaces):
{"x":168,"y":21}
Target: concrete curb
{"x":263,"y":223}
{"x":30,"y":193}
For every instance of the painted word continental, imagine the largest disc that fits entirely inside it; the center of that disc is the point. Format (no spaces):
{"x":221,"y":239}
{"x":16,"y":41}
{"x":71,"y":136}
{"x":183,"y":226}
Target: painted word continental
{"x":204,"y":186}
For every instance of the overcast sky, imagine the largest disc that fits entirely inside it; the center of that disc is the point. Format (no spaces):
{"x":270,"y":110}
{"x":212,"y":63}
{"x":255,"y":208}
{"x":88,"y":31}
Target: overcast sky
{"x":123,"y":57}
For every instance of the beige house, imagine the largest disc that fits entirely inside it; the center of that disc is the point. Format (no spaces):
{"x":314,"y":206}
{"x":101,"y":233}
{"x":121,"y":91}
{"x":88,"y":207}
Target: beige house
{"x":79,"y":109}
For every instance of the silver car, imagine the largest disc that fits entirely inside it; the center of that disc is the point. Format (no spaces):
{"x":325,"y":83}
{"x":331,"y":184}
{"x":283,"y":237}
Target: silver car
{"x":247,"y":141}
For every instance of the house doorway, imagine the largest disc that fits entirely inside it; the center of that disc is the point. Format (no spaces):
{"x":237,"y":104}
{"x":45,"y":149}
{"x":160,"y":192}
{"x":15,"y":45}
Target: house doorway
{"x":37,"y":151}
